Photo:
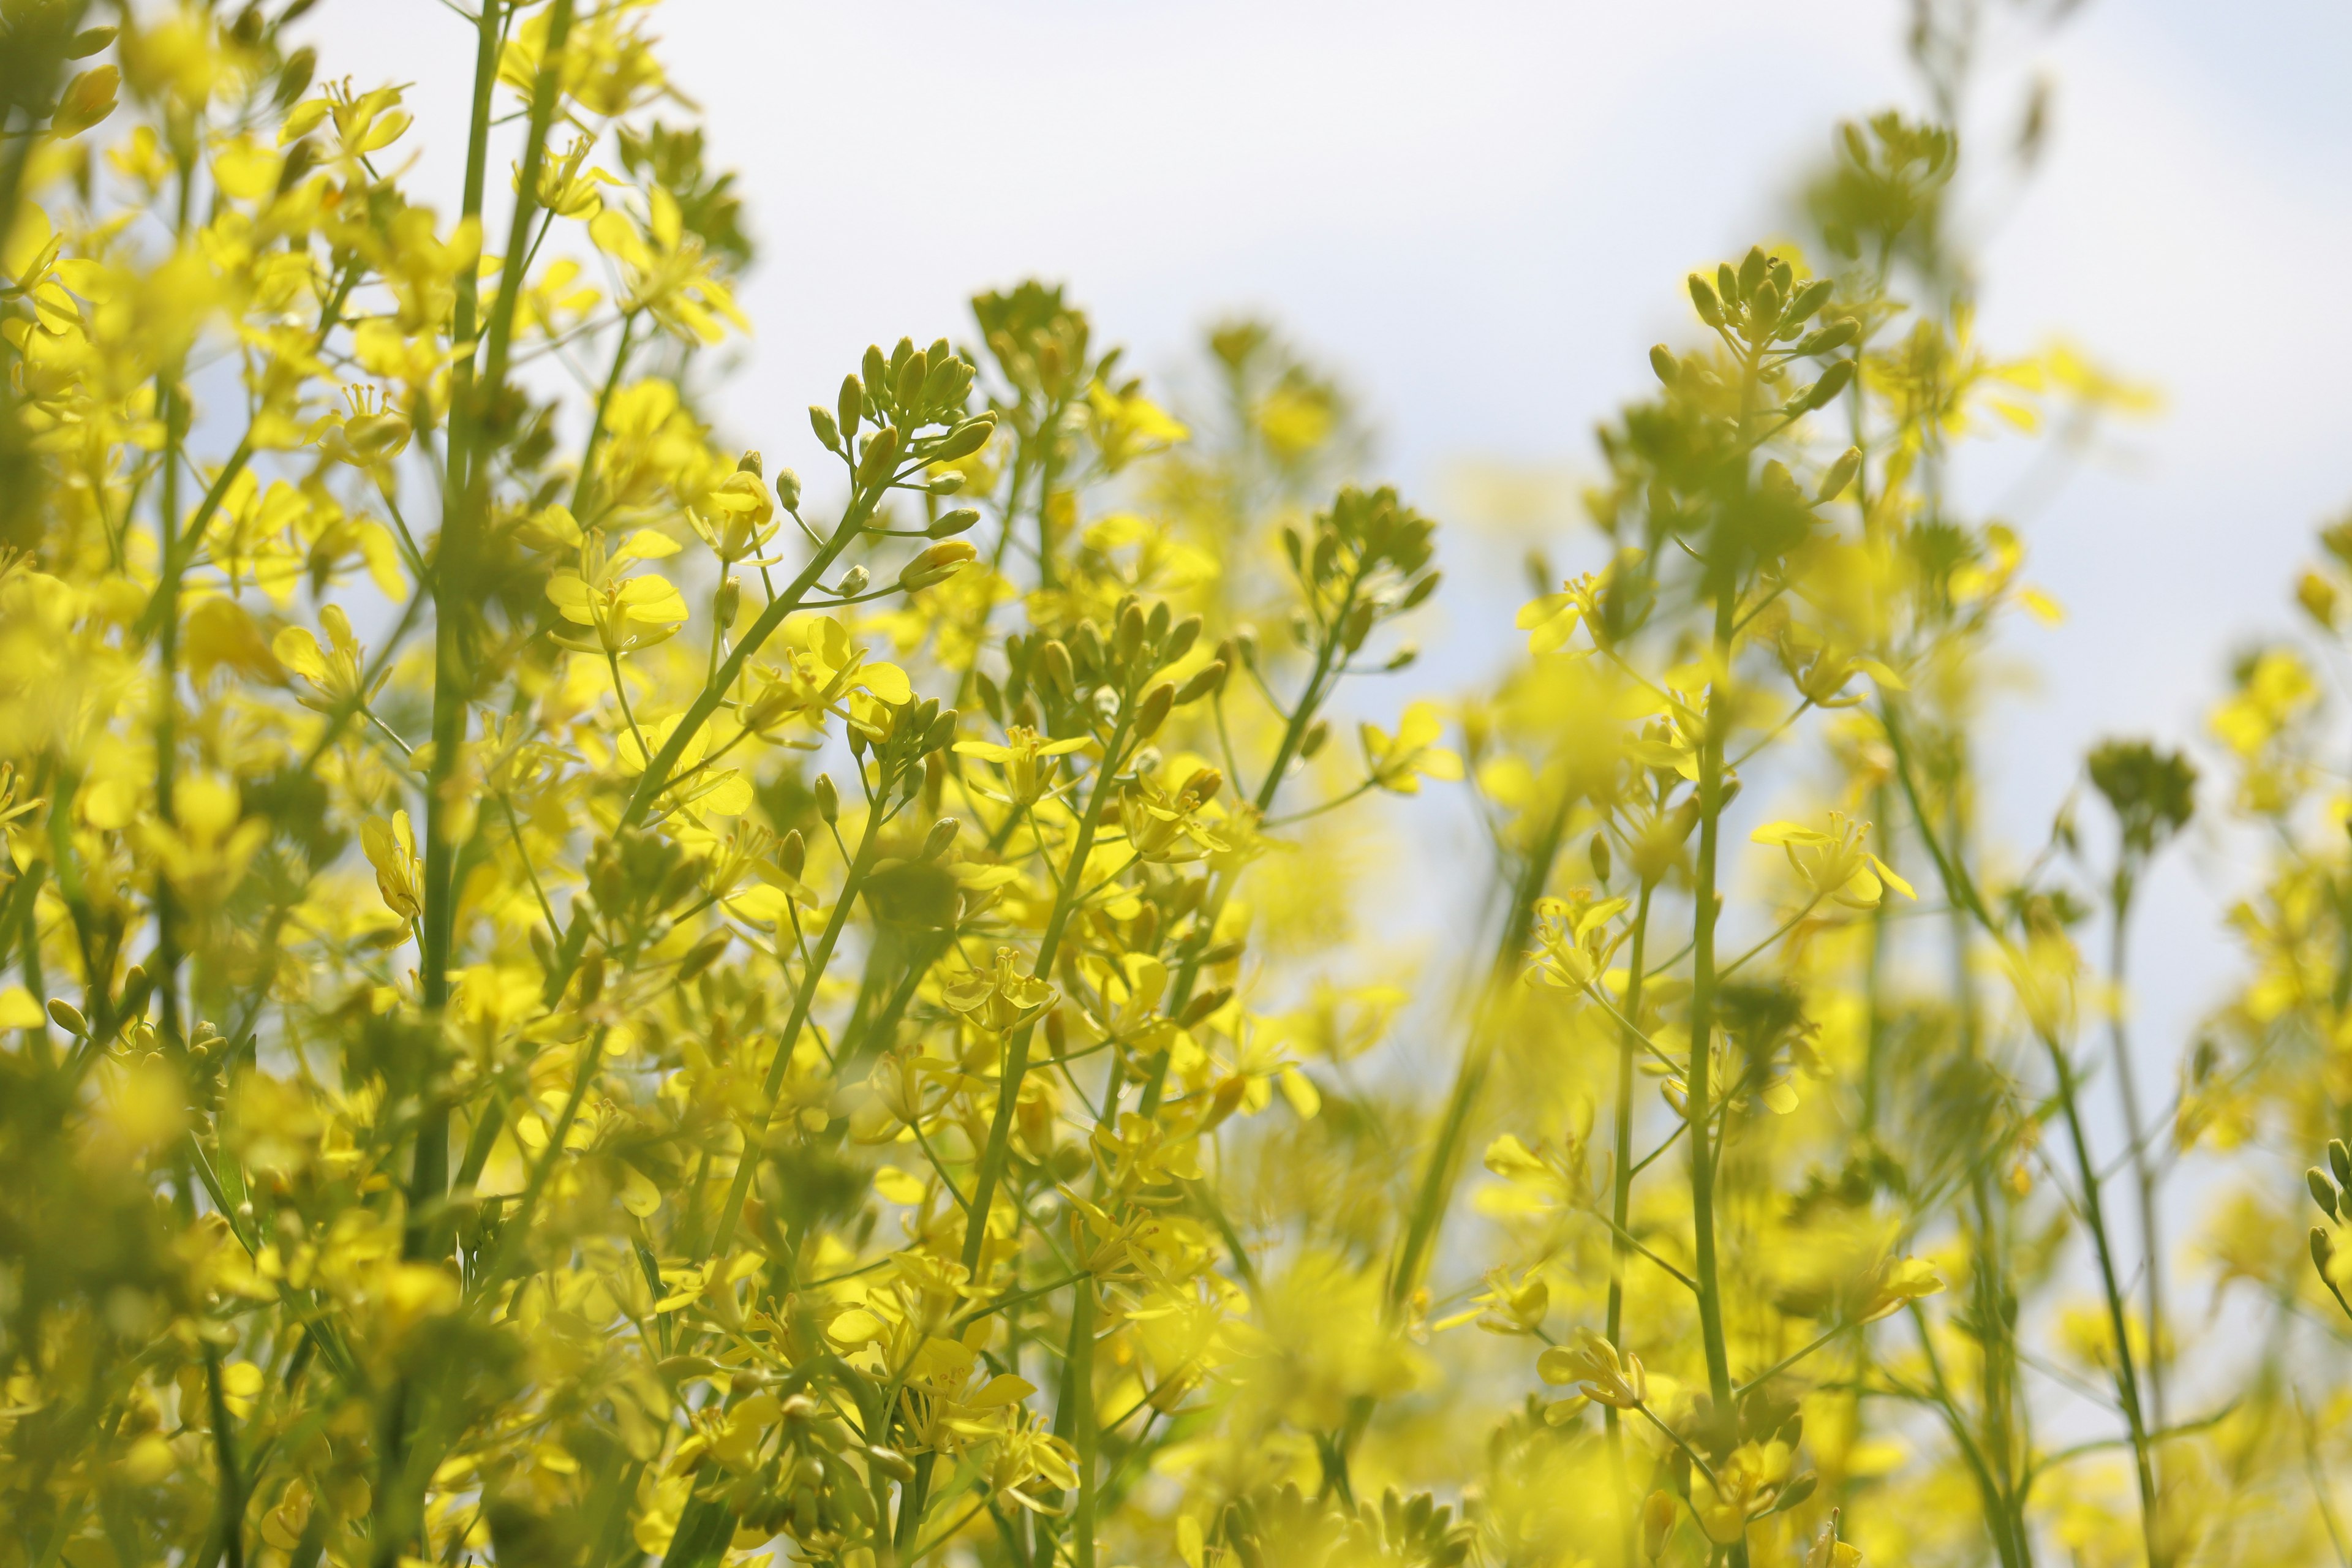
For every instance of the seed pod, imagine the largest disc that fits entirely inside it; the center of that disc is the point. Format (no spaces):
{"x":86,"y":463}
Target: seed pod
{"x":1841,"y":475}
{"x":1661,"y":360}
{"x":850,"y":405}
{"x":68,"y":1016}
{"x":942,"y":834}
{"x":1152,"y":712}
{"x":828,"y":434}
{"x":2323,"y":1191}
{"x":788,"y":486}
{"x":1599,"y":852}
{"x":828,"y":799}
{"x":1199,"y":1008}
{"x":1209,"y":677}
{"x":2339,"y":1160}
{"x":793,"y":854}
{"x":951,"y":524}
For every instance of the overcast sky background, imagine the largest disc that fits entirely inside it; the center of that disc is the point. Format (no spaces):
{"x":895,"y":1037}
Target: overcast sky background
{"x":1480,"y":214}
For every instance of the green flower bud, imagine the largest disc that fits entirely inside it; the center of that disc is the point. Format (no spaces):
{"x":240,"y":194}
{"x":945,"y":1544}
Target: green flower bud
{"x":850,"y":405}
{"x":1152,"y":712}
{"x":828,"y":799}
{"x":828,"y":434}
{"x":951,"y":524}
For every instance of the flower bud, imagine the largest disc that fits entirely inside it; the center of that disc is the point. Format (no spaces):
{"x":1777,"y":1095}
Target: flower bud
{"x":793,"y":854}
{"x":828,"y":799}
{"x":788,"y":487}
{"x":1209,"y":677}
{"x":1703,"y":300}
{"x":1668,"y":368}
{"x":1127,"y":641}
{"x":68,"y":1016}
{"x":1599,"y":851}
{"x":1829,"y":338}
{"x":937,"y":565}
{"x":828,"y":434}
{"x":965,"y":439}
{"x":2339,"y":1160}
{"x":1824,"y":391}
{"x":850,"y":405}
{"x":2323,"y":1250}
{"x":944,"y":833}
{"x":1317,"y":734}
{"x":951,"y":524}
{"x":1841,"y":475}
{"x":1053,"y":666}
{"x":1152,"y":712}
{"x":1180,"y":640}
{"x":2323,"y":1191}
{"x":1199,"y":1008}
{"x":854,"y":581}
{"x":750,"y":463}
{"x":941,"y":732}
{"x":1657,"y":1524}
{"x":729,"y":600}
{"x":881,"y":457}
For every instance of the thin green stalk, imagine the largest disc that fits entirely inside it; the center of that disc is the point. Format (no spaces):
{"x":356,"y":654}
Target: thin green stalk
{"x":1016,"y":1050}
{"x":2136,"y":1131}
{"x":869,"y":845}
{"x":1702,"y":1017}
{"x":1961,"y":889}
{"x":1620,"y":1200}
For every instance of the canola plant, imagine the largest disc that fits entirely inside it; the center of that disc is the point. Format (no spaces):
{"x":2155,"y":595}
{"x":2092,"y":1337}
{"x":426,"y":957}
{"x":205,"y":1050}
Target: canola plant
{"x":571,"y":1000}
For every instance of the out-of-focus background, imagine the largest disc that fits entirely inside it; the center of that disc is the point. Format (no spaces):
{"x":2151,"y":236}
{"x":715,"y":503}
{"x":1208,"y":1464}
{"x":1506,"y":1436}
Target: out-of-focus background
{"x":1480,"y":214}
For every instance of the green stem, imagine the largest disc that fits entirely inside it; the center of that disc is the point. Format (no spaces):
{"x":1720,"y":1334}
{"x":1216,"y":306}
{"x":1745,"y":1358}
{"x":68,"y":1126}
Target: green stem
{"x":1620,"y":1201}
{"x":1016,"y":1050}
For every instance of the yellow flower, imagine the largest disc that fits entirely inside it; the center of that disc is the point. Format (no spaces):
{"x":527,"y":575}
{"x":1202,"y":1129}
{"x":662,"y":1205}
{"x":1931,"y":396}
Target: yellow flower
{"x":1026,"y":760}
{"x":399,"y":872}
{"x":1598,"y":1370}
{"x":1002,"y":998}
{"x":1834,"y":863}
{"x":1400,"y":765}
